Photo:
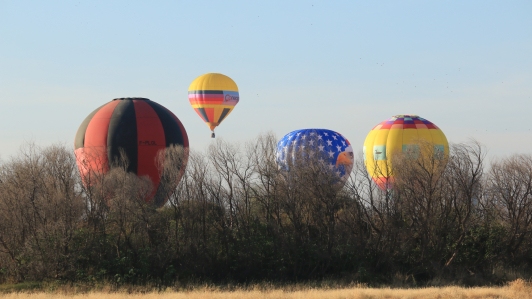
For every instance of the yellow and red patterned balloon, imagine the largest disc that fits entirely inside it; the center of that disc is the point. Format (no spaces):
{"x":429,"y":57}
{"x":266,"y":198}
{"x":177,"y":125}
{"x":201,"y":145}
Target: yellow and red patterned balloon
{"x":400,"y":133}
{"x":213,"y":96}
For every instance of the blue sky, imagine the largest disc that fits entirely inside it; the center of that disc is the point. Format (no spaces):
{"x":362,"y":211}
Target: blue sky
{"x":345,"y":66}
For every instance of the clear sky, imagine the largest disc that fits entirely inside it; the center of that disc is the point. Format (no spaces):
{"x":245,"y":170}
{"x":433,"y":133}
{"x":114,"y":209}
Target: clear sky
{"x":341,"y":65}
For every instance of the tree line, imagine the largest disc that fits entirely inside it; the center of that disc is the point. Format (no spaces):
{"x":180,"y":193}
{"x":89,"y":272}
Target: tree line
{"x":237,"y":216}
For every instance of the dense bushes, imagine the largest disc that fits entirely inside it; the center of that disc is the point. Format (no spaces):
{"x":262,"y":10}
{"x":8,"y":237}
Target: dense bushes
{"x":237,"y":216}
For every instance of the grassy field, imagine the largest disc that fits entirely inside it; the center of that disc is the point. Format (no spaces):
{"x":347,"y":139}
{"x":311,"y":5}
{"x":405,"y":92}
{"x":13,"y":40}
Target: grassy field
{"x":516,"y":289}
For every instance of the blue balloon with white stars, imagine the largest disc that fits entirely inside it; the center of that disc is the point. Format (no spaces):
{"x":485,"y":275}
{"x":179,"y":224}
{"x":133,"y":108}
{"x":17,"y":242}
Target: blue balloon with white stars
{"x":320,"y":145}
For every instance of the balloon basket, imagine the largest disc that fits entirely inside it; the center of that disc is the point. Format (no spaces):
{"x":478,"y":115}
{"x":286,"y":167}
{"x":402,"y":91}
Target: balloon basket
{"x":212,"y":135}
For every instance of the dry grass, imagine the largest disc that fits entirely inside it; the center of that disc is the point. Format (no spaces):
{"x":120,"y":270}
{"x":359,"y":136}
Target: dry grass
{"x":516,"y":289}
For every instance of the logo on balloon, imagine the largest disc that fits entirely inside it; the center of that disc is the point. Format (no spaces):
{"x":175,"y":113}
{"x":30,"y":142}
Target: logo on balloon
{"x":229,"y":97}
{"x":147,"y":142}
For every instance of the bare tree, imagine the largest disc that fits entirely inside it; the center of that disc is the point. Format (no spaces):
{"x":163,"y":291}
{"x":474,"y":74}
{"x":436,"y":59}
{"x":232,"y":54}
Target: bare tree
{"x":40,"y":207}
{"x":511,"y":187}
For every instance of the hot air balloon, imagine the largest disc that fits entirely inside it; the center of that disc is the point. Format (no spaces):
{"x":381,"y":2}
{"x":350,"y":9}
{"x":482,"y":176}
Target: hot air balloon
{"x":139,"y":128}
{"x":213,"y":96}
{"x":401,"y":133}
{"x":318,"y":145}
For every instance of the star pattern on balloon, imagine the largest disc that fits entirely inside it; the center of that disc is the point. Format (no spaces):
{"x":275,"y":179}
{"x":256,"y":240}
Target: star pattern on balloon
{"x":320,"y":144}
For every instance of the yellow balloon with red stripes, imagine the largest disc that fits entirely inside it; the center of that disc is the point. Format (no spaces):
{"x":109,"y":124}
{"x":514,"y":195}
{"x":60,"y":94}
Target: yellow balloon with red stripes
{"x":401,"y":133}
{"x":213,"y":96}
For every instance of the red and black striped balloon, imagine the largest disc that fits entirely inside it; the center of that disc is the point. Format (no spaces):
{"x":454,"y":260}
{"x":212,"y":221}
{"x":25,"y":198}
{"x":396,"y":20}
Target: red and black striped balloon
{"x":137,"y":126}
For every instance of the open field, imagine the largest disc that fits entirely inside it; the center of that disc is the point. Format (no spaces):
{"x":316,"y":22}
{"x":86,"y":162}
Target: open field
{"x":515,"y":289}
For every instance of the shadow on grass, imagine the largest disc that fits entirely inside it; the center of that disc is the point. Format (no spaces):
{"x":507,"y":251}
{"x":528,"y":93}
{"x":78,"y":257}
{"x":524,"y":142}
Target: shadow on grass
{"x":21,"y":287}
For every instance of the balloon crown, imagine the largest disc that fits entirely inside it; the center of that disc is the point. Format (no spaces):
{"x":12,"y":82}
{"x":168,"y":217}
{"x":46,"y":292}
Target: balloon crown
{"x":134,"y":98}
{"x":406,"y":116}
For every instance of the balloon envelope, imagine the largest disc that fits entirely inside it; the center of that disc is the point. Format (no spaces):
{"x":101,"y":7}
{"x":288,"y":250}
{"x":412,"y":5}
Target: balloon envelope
{"x":213,"y":96}
{"x":138,"y":127}
{"x":400,"y":133}
{"x":318,"y":145}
